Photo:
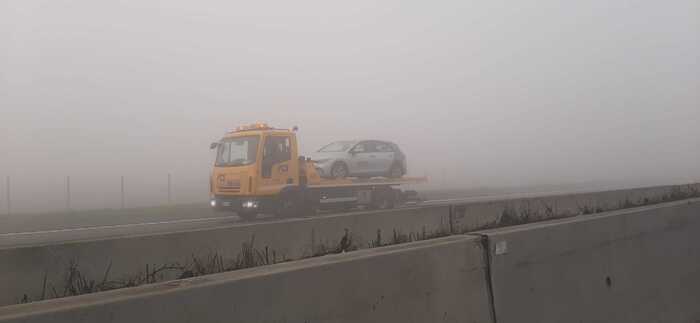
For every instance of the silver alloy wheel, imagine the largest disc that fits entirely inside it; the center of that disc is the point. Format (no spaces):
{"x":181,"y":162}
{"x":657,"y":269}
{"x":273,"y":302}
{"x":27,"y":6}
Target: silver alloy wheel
{"x":339,"y":170}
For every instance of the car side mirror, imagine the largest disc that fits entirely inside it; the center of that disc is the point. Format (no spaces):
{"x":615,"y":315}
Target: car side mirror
{"x":214,"y":145}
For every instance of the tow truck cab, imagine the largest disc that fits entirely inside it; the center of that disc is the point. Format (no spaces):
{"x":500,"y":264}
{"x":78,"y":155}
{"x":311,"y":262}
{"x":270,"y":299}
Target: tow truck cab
{"x":254,"y":164}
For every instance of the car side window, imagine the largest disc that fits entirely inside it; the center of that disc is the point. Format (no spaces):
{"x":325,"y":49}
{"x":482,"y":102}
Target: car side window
{"x":383,"y":147}
{"x":371,"y":147}
{"x":360,"y":148}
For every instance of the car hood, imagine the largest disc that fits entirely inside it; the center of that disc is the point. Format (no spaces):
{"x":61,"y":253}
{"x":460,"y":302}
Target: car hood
{"x":320,"y":156}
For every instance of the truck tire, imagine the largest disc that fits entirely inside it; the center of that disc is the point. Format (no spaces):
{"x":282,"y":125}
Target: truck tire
{"x":297,"y":202}
{"x":289,"y":205}
{"x":384,"y":198}
{"x":310,"y":204}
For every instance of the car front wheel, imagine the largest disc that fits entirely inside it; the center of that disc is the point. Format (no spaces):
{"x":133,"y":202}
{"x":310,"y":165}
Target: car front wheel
{"x":339,"y":170}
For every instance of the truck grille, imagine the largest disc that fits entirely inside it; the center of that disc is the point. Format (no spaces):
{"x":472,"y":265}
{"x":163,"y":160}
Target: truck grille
{"x":230,"y":189}
{"x":229,"y":186}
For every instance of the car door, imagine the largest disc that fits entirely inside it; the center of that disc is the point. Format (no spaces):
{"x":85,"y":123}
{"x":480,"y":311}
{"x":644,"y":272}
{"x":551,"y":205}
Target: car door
{"x":383,"y":157}
{"x":359,"y":159}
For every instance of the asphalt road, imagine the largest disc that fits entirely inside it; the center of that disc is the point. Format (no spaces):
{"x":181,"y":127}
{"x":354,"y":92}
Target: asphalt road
{"x":138,"y":222}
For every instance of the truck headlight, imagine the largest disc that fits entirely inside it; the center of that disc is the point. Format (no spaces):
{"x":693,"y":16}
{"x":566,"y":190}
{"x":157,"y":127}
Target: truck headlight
{"x":250,"y":204}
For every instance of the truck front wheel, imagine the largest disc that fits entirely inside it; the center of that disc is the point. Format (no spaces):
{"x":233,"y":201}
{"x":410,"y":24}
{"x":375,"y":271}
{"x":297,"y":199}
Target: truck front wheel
{"x":297,"y":203}
{"x":383,"y":199}
{"x":288,"y":206}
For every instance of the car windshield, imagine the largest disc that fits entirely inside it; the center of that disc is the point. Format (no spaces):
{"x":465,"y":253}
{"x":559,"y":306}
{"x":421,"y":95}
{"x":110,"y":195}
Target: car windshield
{"x":237,"y":151}
{"x":336,"y":147}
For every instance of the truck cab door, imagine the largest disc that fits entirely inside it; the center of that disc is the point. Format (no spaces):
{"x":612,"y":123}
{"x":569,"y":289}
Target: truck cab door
{"x":278,"y":168}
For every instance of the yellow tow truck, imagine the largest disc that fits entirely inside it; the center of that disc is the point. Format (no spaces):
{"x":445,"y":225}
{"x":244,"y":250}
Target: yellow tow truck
{"x":258,"y":169}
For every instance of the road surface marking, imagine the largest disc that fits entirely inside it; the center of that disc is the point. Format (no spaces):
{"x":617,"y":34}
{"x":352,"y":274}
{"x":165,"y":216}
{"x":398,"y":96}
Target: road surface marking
{"x":117,"y":226}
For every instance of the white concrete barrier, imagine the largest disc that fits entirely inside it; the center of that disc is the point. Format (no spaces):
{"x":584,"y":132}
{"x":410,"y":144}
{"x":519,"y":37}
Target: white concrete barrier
{"x":635,"y":265}
{"x":32,"y":273}
{"x":441,"y":280}
{"x":474,"y":216}
{"x":22,"y":270}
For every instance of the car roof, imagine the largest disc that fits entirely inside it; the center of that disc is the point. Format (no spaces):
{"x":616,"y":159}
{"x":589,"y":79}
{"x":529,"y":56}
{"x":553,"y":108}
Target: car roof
{"x":357,"y":141}
{"x":377,"y":140}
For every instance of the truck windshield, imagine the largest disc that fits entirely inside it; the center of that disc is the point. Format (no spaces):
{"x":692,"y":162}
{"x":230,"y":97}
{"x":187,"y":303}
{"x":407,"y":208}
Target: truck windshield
{"x":336,"y":147}
{"x":238,"y":151}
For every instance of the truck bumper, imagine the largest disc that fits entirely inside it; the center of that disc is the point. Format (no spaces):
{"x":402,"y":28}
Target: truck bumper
{"x":237,"y":204}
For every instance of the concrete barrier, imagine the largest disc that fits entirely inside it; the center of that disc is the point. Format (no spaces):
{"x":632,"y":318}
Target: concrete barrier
{"x":492,"y":213}
{"x":32,"y":273}
{"x":23,"y":270}
{"x":442,"y":280}
{"x":635,"y":265}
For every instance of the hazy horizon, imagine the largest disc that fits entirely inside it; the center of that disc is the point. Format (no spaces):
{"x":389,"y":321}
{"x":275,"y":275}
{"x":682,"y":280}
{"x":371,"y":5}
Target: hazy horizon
{"x":477,"y":93}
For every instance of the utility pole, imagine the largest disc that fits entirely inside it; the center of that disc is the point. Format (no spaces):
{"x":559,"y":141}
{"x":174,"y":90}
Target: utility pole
{"x":444,"y":178}
{"x":122,"y":192}
{"x":169,"y":189}
{"x":67,"y":193}
{"x":7,"y":195}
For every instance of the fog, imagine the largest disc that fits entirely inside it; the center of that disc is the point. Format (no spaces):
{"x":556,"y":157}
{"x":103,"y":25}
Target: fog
{"x":477,"y":93}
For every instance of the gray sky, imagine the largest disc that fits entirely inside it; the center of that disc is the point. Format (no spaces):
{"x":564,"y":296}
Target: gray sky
{"x":490,"y":93}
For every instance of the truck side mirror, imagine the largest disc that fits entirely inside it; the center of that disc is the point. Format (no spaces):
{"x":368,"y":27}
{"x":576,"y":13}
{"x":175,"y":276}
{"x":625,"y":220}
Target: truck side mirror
{"x":214,"y":145}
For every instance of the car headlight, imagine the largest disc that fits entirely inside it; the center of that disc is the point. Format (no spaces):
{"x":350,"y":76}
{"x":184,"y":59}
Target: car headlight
{"x":212,"y":203}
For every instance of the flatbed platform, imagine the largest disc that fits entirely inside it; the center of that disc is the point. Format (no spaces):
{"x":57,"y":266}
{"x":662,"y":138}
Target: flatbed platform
{"x":358,"y":182}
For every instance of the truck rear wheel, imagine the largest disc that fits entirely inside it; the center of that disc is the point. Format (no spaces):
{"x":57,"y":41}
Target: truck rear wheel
{"x":384,"y":198}
{"x":297,"y":203}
